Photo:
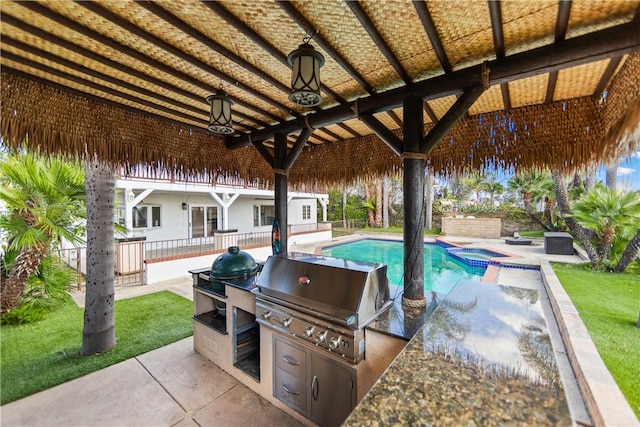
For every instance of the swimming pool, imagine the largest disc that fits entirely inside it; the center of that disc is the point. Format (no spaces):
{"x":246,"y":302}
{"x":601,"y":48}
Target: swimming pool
{"x":441,"y":272}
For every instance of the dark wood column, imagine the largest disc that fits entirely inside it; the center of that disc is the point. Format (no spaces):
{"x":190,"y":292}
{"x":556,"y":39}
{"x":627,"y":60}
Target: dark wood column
{"x":413,"y":184}
{"x":281,"y":183}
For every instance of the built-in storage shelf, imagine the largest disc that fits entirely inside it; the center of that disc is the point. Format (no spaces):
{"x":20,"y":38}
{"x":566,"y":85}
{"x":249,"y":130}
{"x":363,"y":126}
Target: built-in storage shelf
{"x":213,"y":320}
{"x":246,"y":343}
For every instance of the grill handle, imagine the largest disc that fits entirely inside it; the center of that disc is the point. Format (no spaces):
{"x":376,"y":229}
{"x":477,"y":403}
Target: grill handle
{"x":315,"y":387}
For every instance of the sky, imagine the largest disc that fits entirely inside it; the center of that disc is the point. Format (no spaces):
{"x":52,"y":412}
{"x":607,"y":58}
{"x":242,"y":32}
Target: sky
{"x":628,"y":172}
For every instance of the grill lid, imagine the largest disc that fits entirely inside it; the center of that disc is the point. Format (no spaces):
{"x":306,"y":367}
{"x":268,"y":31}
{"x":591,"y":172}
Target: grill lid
{"x":348,"y":292}
{"x":233,"y":264}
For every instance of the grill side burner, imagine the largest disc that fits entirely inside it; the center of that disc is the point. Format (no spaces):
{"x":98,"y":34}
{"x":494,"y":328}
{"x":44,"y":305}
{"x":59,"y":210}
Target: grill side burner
{"x":322,"y":300}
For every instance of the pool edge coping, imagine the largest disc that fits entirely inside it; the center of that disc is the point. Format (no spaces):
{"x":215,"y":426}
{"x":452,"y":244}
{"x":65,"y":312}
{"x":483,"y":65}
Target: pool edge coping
{"x":605,"y":403}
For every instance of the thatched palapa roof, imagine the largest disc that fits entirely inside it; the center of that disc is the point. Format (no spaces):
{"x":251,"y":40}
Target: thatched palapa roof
{"x":127,"y":80}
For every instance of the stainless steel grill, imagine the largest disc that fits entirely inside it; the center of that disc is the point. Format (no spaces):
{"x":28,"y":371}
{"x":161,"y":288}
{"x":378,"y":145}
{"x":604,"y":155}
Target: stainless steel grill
{"x":321,"y":300}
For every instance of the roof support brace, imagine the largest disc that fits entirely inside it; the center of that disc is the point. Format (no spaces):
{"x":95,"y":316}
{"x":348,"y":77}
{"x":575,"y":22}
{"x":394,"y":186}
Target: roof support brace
{"x":382,"y":132}
{"x":455,"y":113}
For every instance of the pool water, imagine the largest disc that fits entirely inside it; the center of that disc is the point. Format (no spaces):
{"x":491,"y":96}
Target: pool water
{"x":441,"y":272}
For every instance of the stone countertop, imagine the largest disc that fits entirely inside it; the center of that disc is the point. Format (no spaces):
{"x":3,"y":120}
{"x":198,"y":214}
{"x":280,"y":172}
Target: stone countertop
{"x":483,"y":358}
{"x":400,"y":321}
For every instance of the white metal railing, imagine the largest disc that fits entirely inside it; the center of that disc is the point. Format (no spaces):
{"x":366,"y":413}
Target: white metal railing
{"x":131,"y":256}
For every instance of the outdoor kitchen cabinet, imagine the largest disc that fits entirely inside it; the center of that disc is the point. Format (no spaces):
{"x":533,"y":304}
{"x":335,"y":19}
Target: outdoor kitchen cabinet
{"x":313,"y":384}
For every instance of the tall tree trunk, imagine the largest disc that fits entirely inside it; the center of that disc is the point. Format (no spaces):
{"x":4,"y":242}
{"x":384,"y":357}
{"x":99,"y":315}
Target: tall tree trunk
{"x":344,"y":206}
{"x":582,"y":234}
{"x":379,"y":201}
{"x":528,"y":207}
{"x":549,"y":205}
{"x":428,"y":186}
{"x":367,"y":198}
{"x":611,"y":176}
{"x":629,"y":254}
{"x":385,"y":202}
{"x":99,"y":332}
{"x":25,"y":265}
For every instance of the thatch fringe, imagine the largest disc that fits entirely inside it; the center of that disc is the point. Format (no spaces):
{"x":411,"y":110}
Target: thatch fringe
{"x":621,"y":111}
{"x":567,"y":135}
{"x":55,"y":121}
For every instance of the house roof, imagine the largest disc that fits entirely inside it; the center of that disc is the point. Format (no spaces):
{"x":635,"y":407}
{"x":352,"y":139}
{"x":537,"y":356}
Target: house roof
{"x":128,"y":80}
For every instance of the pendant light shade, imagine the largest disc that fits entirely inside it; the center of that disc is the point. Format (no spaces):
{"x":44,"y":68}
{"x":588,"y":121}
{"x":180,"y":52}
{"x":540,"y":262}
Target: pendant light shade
{"x":305,"y":62}
{"x":220,"y":120}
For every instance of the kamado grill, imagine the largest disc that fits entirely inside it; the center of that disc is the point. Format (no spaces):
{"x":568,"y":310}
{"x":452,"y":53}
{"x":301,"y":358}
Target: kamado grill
{"x":324,"y":301}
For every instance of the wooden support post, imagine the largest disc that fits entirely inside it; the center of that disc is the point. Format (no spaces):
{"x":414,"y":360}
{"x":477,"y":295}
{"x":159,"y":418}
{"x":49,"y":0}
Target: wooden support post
{"x":281,"y":184}
{"x":413,"y":183}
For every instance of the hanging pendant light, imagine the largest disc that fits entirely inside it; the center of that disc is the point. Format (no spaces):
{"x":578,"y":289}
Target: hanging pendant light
{"x":220,"y":121}
{"x":305,"y":64}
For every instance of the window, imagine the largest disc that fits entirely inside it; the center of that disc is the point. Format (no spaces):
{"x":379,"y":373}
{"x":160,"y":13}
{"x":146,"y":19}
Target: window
{"x":146,"y":216}
{"x":263,"y":215}
{"x":306,"y":212}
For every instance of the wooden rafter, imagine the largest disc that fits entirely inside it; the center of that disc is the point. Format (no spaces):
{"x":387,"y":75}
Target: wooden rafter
{"x":495,"y":12}
{"x":562,"y":22}
{"x":379,"y":41}
{"x":62,"y":20}
{"x":133,"y":29}
{"x":606,"y":43}
{"x":606,"y":77}
{"x":432,"y":32}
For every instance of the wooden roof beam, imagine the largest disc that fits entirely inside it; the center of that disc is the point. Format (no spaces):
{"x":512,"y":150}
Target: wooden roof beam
{"x":606,"y":77}
{"x":562,"y":22}
{"x":606,"y":43}
{"x":495,"y":12}
{"x":171,"y":19}
{"x":432,"y":32}
{"x":66,"y":22}
{"x":247,"y":31}
{"x":133,"y":29}
{"x":375,"y":35}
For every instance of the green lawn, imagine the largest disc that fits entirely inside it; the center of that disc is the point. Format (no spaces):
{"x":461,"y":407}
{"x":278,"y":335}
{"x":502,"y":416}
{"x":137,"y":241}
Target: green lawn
{"x":608,"y":304}
{"x":44,"y":354}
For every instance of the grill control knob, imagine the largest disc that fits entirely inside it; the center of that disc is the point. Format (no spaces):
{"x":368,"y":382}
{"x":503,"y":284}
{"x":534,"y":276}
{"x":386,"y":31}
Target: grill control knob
{"x":321,"y":337}
{"x":266,"y":315}
{"x":308,"y":332}
{"x":286,"y":322}
{"x":334,"y":343}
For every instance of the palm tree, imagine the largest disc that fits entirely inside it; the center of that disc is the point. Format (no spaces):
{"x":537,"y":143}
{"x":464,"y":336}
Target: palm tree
{"x":493,"y":187}
{"x":610,"y":215}
{"x":477,"y":183}
{"x":531,"y":187}
{"x":44,"y":199}
{"x":99,"y":322}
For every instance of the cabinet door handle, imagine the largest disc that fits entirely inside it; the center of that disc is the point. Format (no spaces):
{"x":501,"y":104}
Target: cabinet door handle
{"x":285,"y":388}
{"x":315,"y":387}
{"x":290,"y":360}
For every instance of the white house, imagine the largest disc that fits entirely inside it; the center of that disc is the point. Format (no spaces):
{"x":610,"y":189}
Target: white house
{"x":163,"y":210}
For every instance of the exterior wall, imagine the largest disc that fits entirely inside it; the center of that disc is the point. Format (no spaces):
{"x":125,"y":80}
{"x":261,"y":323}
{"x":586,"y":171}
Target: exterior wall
{"x":295,"y":211}
{"x":175,"y":221}
{"x":487,"y":228}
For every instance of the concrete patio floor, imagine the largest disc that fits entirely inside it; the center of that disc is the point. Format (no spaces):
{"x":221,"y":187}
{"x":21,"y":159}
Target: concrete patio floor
{"x":170,"y":386}
{"x":175,"y":386}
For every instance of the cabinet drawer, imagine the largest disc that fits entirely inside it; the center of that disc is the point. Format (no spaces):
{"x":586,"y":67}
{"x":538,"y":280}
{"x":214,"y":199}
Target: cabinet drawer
{"x":290,"y":390}
{"x":291,"y":359}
